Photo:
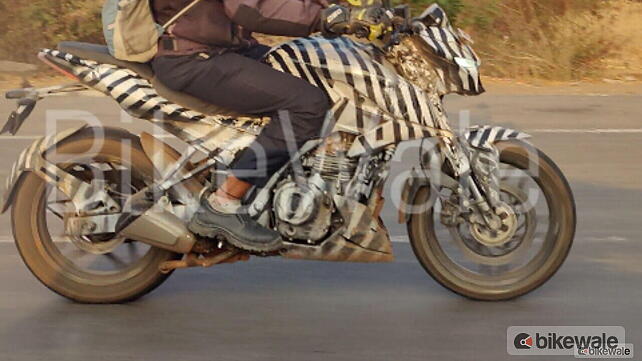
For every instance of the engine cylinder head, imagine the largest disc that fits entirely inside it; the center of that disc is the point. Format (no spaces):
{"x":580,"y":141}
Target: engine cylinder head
{"x":331,"y":160}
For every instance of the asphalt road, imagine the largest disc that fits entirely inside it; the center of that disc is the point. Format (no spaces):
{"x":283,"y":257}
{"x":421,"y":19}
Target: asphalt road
{"x":276,"y":309}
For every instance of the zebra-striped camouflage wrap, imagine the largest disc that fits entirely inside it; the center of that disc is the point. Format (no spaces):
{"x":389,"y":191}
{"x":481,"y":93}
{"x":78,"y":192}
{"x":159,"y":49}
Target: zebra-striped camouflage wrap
{"x":361,"y":238}
{"x":135,"y":95}
{"x":364,"y":87}
{"x":485,"y":135}
{"x":462,"y":74}
{"x":32,"y":159}
{"x":392,"y":132}
{"x":460,"y":70}
{"x":371,"y":100}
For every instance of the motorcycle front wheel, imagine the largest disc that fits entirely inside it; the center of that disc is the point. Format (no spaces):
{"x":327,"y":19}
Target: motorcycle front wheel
{"x":545,"y":220}
{"x":95,"y":269}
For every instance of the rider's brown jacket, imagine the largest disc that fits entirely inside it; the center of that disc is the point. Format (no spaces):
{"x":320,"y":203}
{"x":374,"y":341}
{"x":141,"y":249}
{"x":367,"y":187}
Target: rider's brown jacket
{"x":230,"y":23}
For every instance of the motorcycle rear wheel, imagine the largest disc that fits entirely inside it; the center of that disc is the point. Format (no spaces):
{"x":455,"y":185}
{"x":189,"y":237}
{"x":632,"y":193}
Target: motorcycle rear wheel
{"x":47,"y":257}
{"x":497,"y":287}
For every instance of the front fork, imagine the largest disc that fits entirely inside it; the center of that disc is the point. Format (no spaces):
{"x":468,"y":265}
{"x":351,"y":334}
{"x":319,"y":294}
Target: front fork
{"x":478,"y":193}
{"x":477,"y":200}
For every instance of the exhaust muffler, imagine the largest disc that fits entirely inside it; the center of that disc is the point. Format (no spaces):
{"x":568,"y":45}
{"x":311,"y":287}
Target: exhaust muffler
{"x":160,"y":228}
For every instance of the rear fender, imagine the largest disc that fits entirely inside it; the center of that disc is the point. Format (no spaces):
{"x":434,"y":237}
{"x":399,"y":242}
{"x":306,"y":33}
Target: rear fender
{"x":32,"y":160}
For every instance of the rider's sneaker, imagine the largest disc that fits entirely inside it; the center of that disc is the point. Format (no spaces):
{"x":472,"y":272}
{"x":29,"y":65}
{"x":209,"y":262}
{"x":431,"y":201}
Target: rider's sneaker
{"x":238,"y":228}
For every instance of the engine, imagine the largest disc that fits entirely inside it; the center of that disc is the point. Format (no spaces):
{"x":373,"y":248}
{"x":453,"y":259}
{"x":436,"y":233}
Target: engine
{"x":331,"y":162}
{"x":304,"y":210}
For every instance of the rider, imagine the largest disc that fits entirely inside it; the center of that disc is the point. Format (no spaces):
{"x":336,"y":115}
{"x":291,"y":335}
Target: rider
{"x":209,"y":53}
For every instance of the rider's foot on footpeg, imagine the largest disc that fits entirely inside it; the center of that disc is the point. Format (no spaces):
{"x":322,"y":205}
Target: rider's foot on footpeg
{"x":239,"y":229}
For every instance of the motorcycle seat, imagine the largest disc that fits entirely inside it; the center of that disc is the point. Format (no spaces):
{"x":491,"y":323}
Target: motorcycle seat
{"x":191,"y":102}
{"x":100,"y":53}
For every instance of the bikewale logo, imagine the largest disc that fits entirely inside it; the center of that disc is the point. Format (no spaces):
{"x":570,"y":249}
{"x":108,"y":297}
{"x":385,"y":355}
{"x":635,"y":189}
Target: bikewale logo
{"x":562,"y":340}
{"x":553,"y":341}
{"x":523,"y":341}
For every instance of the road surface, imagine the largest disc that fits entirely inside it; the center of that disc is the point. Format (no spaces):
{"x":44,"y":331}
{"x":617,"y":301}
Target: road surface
{"x":275,"y":309}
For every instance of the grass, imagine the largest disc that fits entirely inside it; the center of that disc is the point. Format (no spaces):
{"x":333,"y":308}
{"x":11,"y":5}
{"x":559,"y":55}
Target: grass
{"x":30,"y":25}
{"x":531,"y":42}
{"x":564,"y":40}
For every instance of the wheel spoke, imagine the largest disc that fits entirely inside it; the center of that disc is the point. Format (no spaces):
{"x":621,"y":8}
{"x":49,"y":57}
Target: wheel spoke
{"x":115,"y":260}
{"x":494,"y":270}
{"x":77,"y":254}
{"x":132,"y":250}
{"x":60,"y":239}
{"x":522,"y":182}
{"x":58,"y":208}
{"x":541,"y":219}
{"x":54,"y":211}
{"x":483,"y":269}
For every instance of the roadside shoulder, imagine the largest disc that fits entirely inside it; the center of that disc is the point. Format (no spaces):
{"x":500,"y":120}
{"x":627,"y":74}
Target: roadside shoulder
{"x":596,"y":88}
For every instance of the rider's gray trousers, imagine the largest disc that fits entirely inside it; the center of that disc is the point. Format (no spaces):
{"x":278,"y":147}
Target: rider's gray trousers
{"x":237,"y":81}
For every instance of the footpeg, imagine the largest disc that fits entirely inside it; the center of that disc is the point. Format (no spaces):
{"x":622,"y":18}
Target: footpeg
{"x":196,"y":260}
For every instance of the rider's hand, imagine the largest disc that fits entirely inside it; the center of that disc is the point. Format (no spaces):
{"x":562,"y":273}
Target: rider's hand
{"x":335,"y":20}
{"x":370,"y":22}
{"x":366,"y":22}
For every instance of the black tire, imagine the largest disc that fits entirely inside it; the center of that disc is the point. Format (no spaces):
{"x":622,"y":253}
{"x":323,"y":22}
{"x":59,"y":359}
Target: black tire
{"x":37,"y":248}
{"x":558,"y":196}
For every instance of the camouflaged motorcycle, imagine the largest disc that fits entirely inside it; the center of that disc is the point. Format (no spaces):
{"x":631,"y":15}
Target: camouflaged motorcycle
{"x":99,"y":214}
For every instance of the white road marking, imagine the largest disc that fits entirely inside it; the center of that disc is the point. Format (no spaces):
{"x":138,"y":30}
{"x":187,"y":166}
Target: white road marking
{"x":607,"y":239}
{"x":586,"y":131}
{"x":405,"y":239}
{"x":34,"y":137}
{"x":395,"y":239}
{"x":10,"y":240}
{"x":400,"y":239}
{"x":614,"y":239}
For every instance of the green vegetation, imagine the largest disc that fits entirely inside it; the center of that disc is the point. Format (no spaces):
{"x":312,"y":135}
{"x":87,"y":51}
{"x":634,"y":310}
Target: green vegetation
{"x":35,"y":24}
{"x":552,"y":39}
{"x":527,"y":39}
{"x":545,"y":39}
